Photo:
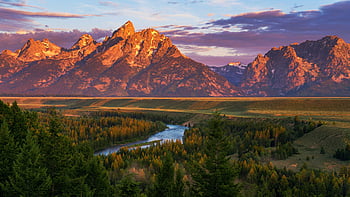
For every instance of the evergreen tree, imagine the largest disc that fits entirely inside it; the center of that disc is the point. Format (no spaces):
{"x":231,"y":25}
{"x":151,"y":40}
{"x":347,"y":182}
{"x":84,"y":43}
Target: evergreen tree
{"x":8,"y":151}
{"x":179,"y":187}
{"x":164,"y":178}
{"x":214,"y":175}
{"x":18,"y":124}
{"x":127,"y":187}
{"x":29,"y":177}
{"x":96,"y":177}
{"x":62,"y":161}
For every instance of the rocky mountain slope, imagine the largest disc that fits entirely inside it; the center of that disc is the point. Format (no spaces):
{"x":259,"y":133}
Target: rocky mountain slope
{"x":128,"y":63}
{"x":312,"y":68}
{"x":146,"y":63}
{"x":233,"y":72}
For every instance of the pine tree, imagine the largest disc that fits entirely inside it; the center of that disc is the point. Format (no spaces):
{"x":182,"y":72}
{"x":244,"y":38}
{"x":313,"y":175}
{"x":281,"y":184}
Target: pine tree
{"x":215,"y":175}
{"x":128,"y":187}
{"x":58,"y":158}
{"x":179,"y":186}
{"x":64,"y":164}
{"x":96,"y":177}
{"x":8,"y":153}
{"x":18,"y":125}
{"x":168,"y":180}
{"x":29,"y":177}
{"x":164,"y":178}
{"x":8,"y":150}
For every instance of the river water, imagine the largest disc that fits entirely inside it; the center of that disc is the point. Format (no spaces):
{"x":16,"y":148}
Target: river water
{"x":173,"y":132}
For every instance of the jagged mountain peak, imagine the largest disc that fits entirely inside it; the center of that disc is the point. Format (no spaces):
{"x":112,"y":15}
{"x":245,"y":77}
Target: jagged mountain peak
{"x":138,"y":49}
{"x":332,"y":39}
{"x":286,"y":51}
{"x":325,"y":42}
{"x":287,"y":70}
{"x":124,"y":31}
{"x":36,"y":50}
{"x":146,"y":63}
{"x":151,"y":32}
{"x":9,"y":53}
{"x":129,"y":63}
{"x":261,"y":58}
{"x":232,"y":71}
{"x":83,"y":41}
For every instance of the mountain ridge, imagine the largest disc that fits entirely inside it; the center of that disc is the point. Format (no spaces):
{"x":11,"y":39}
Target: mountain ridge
{"x":311,"y":68}
{"x":124,"y":64}
{"x":147,"y":63}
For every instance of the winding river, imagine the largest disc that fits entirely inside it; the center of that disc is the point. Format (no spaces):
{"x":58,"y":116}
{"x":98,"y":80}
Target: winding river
{"x":173,"y":132}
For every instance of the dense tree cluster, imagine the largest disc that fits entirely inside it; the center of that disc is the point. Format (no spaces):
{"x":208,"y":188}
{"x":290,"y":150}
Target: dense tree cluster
{"x":165,"y":117}
{"x":343,"y":154}
{"x":52,"y":155}
{"x":102,"y":132}
{"x":267,"y":180}
{"x":38,"y":160}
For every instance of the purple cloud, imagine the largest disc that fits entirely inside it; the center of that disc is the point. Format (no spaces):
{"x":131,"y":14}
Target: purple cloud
{"x":248,"y":34}
{"x":257,"y":32}
{"x":13,"y":13}
{"x":327,"y":19}
{"x":14,"y":19}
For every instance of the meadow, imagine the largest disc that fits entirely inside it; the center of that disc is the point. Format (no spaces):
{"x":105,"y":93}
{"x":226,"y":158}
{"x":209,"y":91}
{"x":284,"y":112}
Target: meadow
{"x":335,"y":112}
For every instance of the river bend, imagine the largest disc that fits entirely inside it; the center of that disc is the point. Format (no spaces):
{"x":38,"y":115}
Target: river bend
{"x":172,"y":132}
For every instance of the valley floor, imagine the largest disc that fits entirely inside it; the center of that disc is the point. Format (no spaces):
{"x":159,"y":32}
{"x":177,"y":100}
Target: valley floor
{"x":335,"y":110}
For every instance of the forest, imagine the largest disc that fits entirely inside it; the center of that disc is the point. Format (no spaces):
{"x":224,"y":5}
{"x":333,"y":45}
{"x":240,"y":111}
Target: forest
{"x":48,"y":154}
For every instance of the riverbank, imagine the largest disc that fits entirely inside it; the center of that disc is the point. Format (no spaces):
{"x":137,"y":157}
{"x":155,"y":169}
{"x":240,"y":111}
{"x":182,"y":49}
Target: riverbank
{"x":172,"y":132}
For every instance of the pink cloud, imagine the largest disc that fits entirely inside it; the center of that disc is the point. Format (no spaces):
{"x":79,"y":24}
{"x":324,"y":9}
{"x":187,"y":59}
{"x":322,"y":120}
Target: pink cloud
{"x":258,"y":32}
{"x":14,"y":19}
{"x":20,"y":13}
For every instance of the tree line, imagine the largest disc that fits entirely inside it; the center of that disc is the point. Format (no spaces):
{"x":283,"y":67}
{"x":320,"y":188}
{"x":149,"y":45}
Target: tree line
{"x":39,"y":160}
{"x":47,"y":154}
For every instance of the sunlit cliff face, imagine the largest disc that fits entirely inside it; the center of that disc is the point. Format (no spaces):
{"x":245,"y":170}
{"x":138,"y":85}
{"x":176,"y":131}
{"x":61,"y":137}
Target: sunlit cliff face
{"x":128,"y":63}
{"x":287,"y":69}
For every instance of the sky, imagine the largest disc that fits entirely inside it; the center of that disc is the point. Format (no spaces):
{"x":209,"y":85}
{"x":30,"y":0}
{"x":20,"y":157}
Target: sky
{"x":213,"y":32}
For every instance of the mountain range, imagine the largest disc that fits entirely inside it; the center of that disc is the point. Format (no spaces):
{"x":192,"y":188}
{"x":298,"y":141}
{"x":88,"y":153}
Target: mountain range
{"x":146,"y":63}
{"x":311,"y":68}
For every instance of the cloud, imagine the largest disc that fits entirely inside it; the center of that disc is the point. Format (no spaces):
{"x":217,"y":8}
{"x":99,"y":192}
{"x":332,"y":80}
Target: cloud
{"x":210,"y":14}
{"x":213,"y":51}
{"x":19,"y":4}
{"x":66,"y":39}
{"x":234,"y":38}
{"x":13,"y":13}
{"x":185,"y":2}
{"x":211,"y":55}
{"x":223,"y":2}
{"x":328,"y":19}
{"x":14,"y":19}
{"x":257,"y":32}
{"x":173,"y":2}
{"x":109,"y":4}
